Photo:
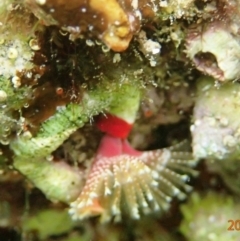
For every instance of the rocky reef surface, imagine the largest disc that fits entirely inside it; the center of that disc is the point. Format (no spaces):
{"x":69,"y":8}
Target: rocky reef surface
{"x":112,"y":112}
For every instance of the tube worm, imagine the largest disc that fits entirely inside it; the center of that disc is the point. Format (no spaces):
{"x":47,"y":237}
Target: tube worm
{"x":123,"y":180}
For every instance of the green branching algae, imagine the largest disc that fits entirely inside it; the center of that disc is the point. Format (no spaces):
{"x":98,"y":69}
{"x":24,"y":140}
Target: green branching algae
{"x":170,"y":68}
{"x":31,"y":154}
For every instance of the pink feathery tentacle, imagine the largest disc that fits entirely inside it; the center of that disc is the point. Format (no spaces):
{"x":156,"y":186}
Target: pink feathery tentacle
{"x":127,"y":149}
{"x":110,"y":146}
{"x":124,"y":180}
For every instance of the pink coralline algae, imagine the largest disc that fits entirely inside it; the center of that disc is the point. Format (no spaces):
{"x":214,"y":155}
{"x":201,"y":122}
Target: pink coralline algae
{"x":123,"y":180}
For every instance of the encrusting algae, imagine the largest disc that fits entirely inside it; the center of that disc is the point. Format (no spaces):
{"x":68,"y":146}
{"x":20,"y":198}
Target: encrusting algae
{"x":215,"y":209}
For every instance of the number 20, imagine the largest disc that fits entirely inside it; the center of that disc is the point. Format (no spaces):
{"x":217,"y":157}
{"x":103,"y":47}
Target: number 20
{"x":234,"y":225}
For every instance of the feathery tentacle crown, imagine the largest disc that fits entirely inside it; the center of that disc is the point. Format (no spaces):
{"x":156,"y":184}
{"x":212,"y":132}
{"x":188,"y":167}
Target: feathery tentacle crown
{"x":126,"y":181}
{"x":123,"y":180}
